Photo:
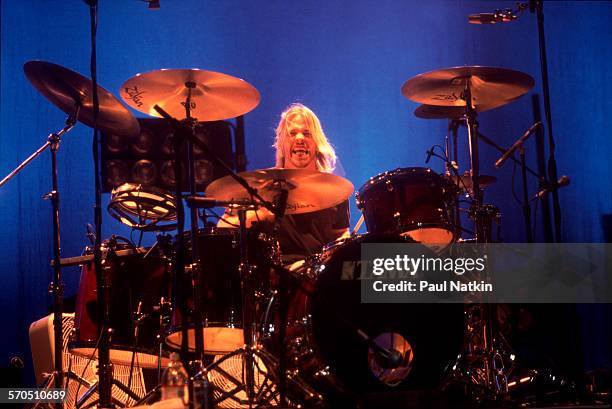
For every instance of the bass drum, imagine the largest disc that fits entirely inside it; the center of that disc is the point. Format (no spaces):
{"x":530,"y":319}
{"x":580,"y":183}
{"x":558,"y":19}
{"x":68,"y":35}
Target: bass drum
{"x":327,"y":314}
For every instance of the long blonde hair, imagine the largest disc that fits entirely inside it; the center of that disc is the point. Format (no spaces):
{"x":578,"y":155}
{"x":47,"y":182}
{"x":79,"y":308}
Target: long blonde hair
{"x":325,"y":154}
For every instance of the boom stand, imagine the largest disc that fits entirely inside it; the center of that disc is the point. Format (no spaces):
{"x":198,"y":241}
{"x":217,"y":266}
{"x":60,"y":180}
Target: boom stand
{"x":56,"y":287}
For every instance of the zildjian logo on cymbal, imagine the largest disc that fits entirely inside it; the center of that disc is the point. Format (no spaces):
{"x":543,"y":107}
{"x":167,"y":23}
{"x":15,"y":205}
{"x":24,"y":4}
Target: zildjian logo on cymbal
{"x":296,"y":206}
{"x":134,"y":94}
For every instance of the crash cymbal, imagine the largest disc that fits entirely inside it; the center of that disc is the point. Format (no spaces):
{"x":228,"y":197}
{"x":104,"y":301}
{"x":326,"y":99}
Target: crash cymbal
{"x":214,"y":96}
{"x":465,"y":182}
{"x":491,"y":87}
{"x":425,"y":111}
{"x":309,"y":190}
{"x":65,"y":88}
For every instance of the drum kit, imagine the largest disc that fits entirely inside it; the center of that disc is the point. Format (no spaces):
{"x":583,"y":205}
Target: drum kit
{"x":274,"y":336}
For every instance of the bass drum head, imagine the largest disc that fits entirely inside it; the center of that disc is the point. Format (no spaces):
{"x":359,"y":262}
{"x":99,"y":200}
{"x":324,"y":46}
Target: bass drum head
{"x":427,"y":337}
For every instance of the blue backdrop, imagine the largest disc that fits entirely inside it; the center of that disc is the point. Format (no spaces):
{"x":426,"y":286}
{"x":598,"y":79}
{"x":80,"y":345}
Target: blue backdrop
{"x":346,"y":60}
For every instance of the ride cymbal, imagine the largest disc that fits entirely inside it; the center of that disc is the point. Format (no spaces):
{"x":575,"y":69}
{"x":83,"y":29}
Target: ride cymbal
{"x":425,"y":111}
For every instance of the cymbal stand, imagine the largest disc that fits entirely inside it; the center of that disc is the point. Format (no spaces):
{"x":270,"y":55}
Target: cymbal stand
{"x":105,"y":368}
{"x":253,"y":356}
{"x":56,"y":287}
{"x":244,"y":268}
{"x":481,"y":365}
{"x":526,"y":202}
{"x":452,"y":166}
{"x":185,"y":131}
{"x":196,"y":270}
{"x":184,"y":134}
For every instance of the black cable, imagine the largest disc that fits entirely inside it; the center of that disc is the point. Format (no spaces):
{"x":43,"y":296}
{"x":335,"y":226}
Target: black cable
{"x":535,"y":218}
{"x":514,"y":194}
{"x":126,"y":241}
{"x":445,"y":159}
{"x":89,"y":360}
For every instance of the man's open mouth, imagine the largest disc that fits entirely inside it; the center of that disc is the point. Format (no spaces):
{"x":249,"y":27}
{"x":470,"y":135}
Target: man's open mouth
{"x":300,"y":151}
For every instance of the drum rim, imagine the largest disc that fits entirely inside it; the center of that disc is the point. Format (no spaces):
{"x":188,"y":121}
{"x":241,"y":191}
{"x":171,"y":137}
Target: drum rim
{"x":75,"y":345}
{"x":224,"y":232}
{"x":375,"y":180}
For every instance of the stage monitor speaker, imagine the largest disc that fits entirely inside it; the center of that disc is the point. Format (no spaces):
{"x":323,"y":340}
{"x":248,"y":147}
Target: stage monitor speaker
{"x":80,"y":375}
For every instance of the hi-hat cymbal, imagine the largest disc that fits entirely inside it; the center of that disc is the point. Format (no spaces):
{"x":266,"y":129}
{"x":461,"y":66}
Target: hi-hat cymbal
{"x":214,"y":96}
{"x":465,"y":182}
{"x":66,"y":88}
{"x":309,"y":190}
{"x":491,"y":87}
{"x":425,"y":111}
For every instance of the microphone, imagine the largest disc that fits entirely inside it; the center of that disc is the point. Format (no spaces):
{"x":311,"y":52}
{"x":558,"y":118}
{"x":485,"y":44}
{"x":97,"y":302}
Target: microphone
{"x":517,"y":144}
{"x":390,"y":359}
{"x":208,"y":203}
{"x":17,"y":362}
{"x":500,"y":16}
{"x":561,"y":182}
{"x":203,"y":202}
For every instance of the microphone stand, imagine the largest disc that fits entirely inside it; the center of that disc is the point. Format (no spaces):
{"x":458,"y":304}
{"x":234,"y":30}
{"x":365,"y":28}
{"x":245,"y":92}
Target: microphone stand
{"x":537,"y":6}
{"x":105,"y":371}
{"x":56,"y":287}
{"x":524,"y":169}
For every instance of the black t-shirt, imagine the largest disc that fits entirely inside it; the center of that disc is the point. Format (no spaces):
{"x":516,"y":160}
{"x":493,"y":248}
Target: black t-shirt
{"x":303,"y":235}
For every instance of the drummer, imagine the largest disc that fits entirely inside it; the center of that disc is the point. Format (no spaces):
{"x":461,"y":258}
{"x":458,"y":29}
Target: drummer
{"x":301,"y":144}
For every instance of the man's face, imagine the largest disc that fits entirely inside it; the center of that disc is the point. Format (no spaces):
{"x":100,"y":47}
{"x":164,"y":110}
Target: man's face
{"x":299,"y":147}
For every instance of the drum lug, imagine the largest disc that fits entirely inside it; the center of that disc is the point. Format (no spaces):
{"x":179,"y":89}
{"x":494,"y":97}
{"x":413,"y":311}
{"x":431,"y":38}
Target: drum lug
{"x":164,"y":308}
{"x":53,"y":288}
{"x":260,"y":295}
{"x":323,"y":373}
{"x":307,"y":320}
{"x":389,"y":185}
{"x":299,"y":351}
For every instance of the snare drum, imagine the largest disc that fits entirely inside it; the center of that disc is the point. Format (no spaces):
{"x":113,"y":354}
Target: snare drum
{"x":219,"y":252}
{"x":138,"y":286}
{"x":408,"y":201}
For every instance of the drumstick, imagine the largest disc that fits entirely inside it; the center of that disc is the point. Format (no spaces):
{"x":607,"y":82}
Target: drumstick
{"x":358,"y":225}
